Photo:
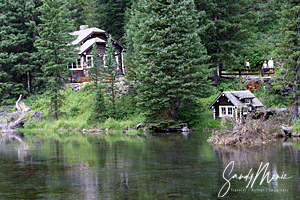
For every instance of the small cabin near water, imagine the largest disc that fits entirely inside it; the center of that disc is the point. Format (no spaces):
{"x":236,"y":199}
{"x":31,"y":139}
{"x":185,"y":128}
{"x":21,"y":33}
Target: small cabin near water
{"x":86,"y":38}
{"x":235,"y":104}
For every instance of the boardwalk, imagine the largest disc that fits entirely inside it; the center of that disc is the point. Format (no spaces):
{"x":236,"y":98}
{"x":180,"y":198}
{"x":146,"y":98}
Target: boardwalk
{"x":224,"y":73}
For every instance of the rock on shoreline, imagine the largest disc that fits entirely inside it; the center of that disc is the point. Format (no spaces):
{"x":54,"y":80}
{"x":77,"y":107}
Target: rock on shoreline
{"x":18,"y":118}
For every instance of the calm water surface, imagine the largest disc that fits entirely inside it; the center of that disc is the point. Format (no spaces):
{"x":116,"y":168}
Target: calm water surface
{"x":169,"y":167}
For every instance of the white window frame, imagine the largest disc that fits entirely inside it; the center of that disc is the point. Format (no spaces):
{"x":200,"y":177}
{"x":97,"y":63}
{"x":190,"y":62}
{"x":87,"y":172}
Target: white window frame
{"x":104,"y":60}
{"x":226,"y":109}
{"x":246,"y":110}
{"x":89,"y":65}
{"x":116,"y":57}
{"x":77,"y":65}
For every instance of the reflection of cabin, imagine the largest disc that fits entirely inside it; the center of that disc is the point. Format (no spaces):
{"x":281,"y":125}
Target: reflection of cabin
{"x":235,"y":104}
{"x":87,"y":37}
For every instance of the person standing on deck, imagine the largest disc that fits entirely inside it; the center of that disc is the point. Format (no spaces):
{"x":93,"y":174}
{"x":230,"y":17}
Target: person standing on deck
{"x":264,"y":67}
{"x":271,"y":64}
{"x":247,"y":64}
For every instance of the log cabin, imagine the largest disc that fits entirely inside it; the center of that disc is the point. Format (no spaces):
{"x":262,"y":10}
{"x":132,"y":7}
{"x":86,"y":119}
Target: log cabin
{"x":86,"y":38}
{"x":235,"y":104}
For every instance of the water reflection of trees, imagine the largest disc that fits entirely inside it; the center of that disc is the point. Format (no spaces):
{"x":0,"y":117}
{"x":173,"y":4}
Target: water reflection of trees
{"x":245,"y":156}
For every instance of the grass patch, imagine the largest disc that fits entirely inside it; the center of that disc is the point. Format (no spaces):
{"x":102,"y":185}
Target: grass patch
{"x":206,"y":121}
{"x":74,"y":114}
{"x":296,"y":126}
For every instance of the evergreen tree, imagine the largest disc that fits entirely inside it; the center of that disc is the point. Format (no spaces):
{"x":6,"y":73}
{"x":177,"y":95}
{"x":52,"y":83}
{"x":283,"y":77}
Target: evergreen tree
{"x":111,"y":74}
{"x":76,"y":7}
{"x":95,"y":70}
{"x":112,"y":17}
{"x":99,"y":112}
{"x":53,"y":43}
{"x":171,"y":59}
{"x":90,"y":13}
{"x":228,"y":27}
{"x":18,"y":58}
{"x":290,"y":50}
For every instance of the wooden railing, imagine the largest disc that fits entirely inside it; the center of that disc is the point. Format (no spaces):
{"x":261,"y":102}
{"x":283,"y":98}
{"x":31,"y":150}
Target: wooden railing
{"x":243,"y":72}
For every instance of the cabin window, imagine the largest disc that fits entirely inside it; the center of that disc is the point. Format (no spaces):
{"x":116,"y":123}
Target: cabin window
{"x":78,"y":63}
{"x":75,"y":66}
{"x":89,"y":60}
{"x":116,"y":57}
{"x":223,"y":110}
{"x":247,"y":101}
{"x":226,"y":111}
{"x":246,"y":110}
{"x":229,"y":110}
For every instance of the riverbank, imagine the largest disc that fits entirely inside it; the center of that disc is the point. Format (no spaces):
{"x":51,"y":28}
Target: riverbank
{"x":251,"y":131}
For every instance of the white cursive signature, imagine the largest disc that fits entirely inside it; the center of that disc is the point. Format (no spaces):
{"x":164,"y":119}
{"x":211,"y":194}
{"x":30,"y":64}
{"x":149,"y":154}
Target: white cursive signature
{"x":250,"y":177}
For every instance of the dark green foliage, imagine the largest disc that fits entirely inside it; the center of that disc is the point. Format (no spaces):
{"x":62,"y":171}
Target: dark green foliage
{"x":90,"y":13}
{"x":111,"y":74}
{"x":267,"y":17}
{"x":227,"y":30}
{"x":271,"y":97}
{"x":171,"y":70}
{"x":126,"y":104}
{"x":290,"y":52}
{"x":229,"y":85}
{"x":112,"y":16}
{"x":108,"y":15}
{"x":53,"y":43}
{"x":19,"y":62}
{"x":95,"y":70}
{"x":74,"y":110}
{"x":99,"y":112}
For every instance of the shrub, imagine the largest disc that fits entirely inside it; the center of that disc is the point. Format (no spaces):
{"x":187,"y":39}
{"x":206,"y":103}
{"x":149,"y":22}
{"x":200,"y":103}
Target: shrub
{"x":30,"y":124}
{"x":74,"y":110}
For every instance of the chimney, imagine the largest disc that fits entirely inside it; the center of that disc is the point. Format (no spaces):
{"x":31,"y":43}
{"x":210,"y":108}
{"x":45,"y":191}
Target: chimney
{"x":83,"y":27}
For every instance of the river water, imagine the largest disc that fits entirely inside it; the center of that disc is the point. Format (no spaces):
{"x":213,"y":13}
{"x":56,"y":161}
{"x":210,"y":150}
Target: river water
{"x":168,"y":167}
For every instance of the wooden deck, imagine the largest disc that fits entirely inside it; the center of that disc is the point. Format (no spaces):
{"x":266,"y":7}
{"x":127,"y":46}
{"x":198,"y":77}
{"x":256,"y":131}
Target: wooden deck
{"x":224,"y":73}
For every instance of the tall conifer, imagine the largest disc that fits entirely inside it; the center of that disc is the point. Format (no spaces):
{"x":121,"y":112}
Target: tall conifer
{"x":290,"y":50}
{"x":111,"y":72}
{"x":19,"y":64}
{"x":54,"y":45}
{"x":171,"y":59}
{"x":228,"y":29}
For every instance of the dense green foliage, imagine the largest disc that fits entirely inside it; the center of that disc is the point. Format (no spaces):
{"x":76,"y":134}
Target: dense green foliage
{"x":172,"y":47}
{"x":171,"y":60}
{"x":53,"y":44}
{"x":19,"y":61}
{"x":99,"y":112}
{"x":290,"y":51}
{"x":80,"y":110}
{"x":110,"y":76}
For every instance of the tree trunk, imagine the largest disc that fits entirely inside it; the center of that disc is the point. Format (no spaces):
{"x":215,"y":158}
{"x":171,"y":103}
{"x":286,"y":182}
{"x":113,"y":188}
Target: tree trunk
{"x":295,"y":111}
{"x":55,"y":107}
{"x":28,"y":82}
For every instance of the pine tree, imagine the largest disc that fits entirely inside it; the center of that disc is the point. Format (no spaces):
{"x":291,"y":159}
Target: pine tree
{"x":111,"y":74}
{"x":228,"y":28}
{"x":171,"y":59}
{"x":99,"y":112}
{"x":19,"y":62}
{"x":95,"y":70}
{"x":53,"y":43}
{"x":76,"y":7}
{"x":90,"y":14}
{"x":290,"y":51}
{"x":112,"y":17}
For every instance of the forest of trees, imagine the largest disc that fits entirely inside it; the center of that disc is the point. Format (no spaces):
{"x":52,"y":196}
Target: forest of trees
{"x":172,"y":46}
